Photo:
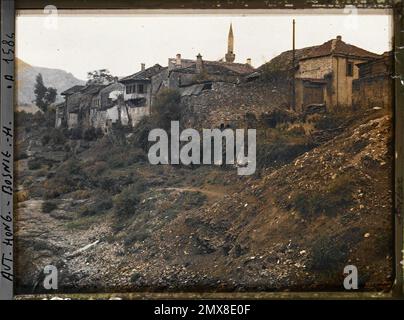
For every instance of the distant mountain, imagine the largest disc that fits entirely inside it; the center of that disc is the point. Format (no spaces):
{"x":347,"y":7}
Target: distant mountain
{"x":26,"y":74}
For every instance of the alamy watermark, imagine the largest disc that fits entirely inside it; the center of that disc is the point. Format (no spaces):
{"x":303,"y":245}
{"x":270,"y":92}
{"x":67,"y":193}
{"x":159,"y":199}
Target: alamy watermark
{"x":195,"y":151}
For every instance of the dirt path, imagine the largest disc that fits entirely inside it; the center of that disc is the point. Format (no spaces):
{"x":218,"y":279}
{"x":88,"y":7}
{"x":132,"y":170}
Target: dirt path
{"x":212,"y":194}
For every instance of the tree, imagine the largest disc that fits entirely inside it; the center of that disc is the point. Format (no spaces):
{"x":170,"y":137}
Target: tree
{"x":44,"y":96}
{"x":102,"y":76}
{"x":167,"y":107}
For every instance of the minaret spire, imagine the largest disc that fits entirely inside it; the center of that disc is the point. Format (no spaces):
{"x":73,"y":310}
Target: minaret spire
{"x":230,"y":56}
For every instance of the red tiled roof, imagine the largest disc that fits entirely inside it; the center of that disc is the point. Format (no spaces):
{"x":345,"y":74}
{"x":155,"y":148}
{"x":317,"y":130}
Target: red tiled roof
{"x":338,"y":47}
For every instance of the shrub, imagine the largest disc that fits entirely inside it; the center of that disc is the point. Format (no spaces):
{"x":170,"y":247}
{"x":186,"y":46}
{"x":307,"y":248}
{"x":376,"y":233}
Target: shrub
{"x":48,"y":206}
{"x":101,"y":204}
{"x":75,"y":134}
{"x":141,"y":133}
{"x":92,"y":133}
{"x":125,"y":203}
{"x":167,"y":108}
{"x":34,"y":164}
{"x":53,"y":136}
{"x":135,"y":277}
{"x":20,"y":155}
{"x":330,"y":200}
{"x":327,"y":254}
{"x":280,"y":152}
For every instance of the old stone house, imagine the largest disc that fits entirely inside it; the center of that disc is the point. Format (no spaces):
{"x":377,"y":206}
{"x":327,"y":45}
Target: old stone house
{"x":374,"y":87}
{"x":194,"y":75}
{"x":87,"y":95}
{"x":140,"y":90}
{"x":60,"y":118}
{"x":62,"y":115}
{"x":108,"y":98}
{"x":325,"y":73}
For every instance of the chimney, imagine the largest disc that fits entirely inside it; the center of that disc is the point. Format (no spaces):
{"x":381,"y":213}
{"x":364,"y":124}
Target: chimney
{"x":142,"y":67}
{"x":178,"y":59}
{"x":199,"y":63}
{"x":248,"y":61}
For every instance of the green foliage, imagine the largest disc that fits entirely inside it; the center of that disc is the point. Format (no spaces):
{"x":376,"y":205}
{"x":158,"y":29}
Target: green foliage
{"x":44,"y":96}
{"x":125,"y":203}
{"x":53,"y":137}
{"x":102,"y":76}
{"x":48,"y":206}
{"x":34,"y":164}
{"x":141,"y":133}
{"x":167,"y":108}
{"x":100,"y":205}
{"x":329,"y":200}
{"x":327,"y":254}
{"x":92,"y":134}
{"x":280,"y":152}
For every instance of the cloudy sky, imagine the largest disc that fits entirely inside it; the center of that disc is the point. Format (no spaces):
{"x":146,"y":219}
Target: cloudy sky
{"x":121,"y":41}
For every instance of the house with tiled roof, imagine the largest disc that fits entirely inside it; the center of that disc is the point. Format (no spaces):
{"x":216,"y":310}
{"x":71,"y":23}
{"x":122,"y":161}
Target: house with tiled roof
{"x":324,"y":74}
{"x":141,"y":88}
{"x":183,"y":73}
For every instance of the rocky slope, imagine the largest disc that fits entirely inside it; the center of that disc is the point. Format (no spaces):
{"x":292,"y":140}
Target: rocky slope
{"x":293,"y":227}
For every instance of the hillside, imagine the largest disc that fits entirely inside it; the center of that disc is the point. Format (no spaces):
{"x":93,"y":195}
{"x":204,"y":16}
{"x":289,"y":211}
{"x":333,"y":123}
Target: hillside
{"x":112,"y":222}
{"x":26,"y":74}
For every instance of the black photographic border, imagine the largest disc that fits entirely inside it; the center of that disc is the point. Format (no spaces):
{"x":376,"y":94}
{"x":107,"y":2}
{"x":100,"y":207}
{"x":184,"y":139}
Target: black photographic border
{"x":9,"y":8}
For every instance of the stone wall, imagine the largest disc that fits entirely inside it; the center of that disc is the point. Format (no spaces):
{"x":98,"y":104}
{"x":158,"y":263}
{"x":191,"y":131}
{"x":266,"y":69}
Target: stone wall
{"x":228,"y":104}
{"x":314,"y":68}
{"x":373,"y":92}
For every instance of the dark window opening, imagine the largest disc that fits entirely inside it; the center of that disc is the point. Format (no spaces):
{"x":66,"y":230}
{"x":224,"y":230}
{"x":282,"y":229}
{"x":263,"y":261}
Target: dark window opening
{"x":349,"y":69}
{"x":140,"y":88}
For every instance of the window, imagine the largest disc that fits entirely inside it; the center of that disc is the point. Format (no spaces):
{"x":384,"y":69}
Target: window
{"x":140,"y":88}
{"x":128,"y":89}
{"x":349,"y":69}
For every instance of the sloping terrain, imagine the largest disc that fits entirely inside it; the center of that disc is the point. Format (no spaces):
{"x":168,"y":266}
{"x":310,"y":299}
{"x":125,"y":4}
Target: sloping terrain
{"x":112,"y":222}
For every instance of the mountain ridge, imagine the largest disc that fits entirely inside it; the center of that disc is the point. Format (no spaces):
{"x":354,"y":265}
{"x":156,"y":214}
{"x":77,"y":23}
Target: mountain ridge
{"x":57,"y":78}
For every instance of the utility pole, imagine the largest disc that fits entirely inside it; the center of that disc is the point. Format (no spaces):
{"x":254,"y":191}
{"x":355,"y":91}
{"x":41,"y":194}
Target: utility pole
{"x":293,"y":68}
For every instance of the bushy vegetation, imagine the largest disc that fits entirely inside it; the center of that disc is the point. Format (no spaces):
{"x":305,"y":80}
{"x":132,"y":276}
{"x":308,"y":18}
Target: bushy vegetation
{"x":48,"y":206}
{"x":34,"y":164}
{"x":125,"y":203}
{"x":166,"y":108}
{"x":277,"y":147}
{"x":278,"y":153}
{"x":53,"y":137}
{"x":101,"y":204}
{"x":329,"y":200}
{"x":92,"y":134}
{"x":327,"y":255}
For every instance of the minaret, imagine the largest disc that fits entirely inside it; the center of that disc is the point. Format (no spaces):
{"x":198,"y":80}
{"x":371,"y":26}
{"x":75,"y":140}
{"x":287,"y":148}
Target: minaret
{"x":230,"y":56}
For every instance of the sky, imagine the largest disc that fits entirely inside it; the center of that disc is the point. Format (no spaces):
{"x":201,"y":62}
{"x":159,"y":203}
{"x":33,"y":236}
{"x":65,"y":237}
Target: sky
{"x":120,"y":42}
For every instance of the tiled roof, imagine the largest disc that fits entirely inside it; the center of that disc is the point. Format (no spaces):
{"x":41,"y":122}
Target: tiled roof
{"x":144,"y":75}
{"x":283,"y":61}
{"x":72,"y":90}
{"x":338,"y":47}
{"x":221,"y":68}
{"x":92,"y":88}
